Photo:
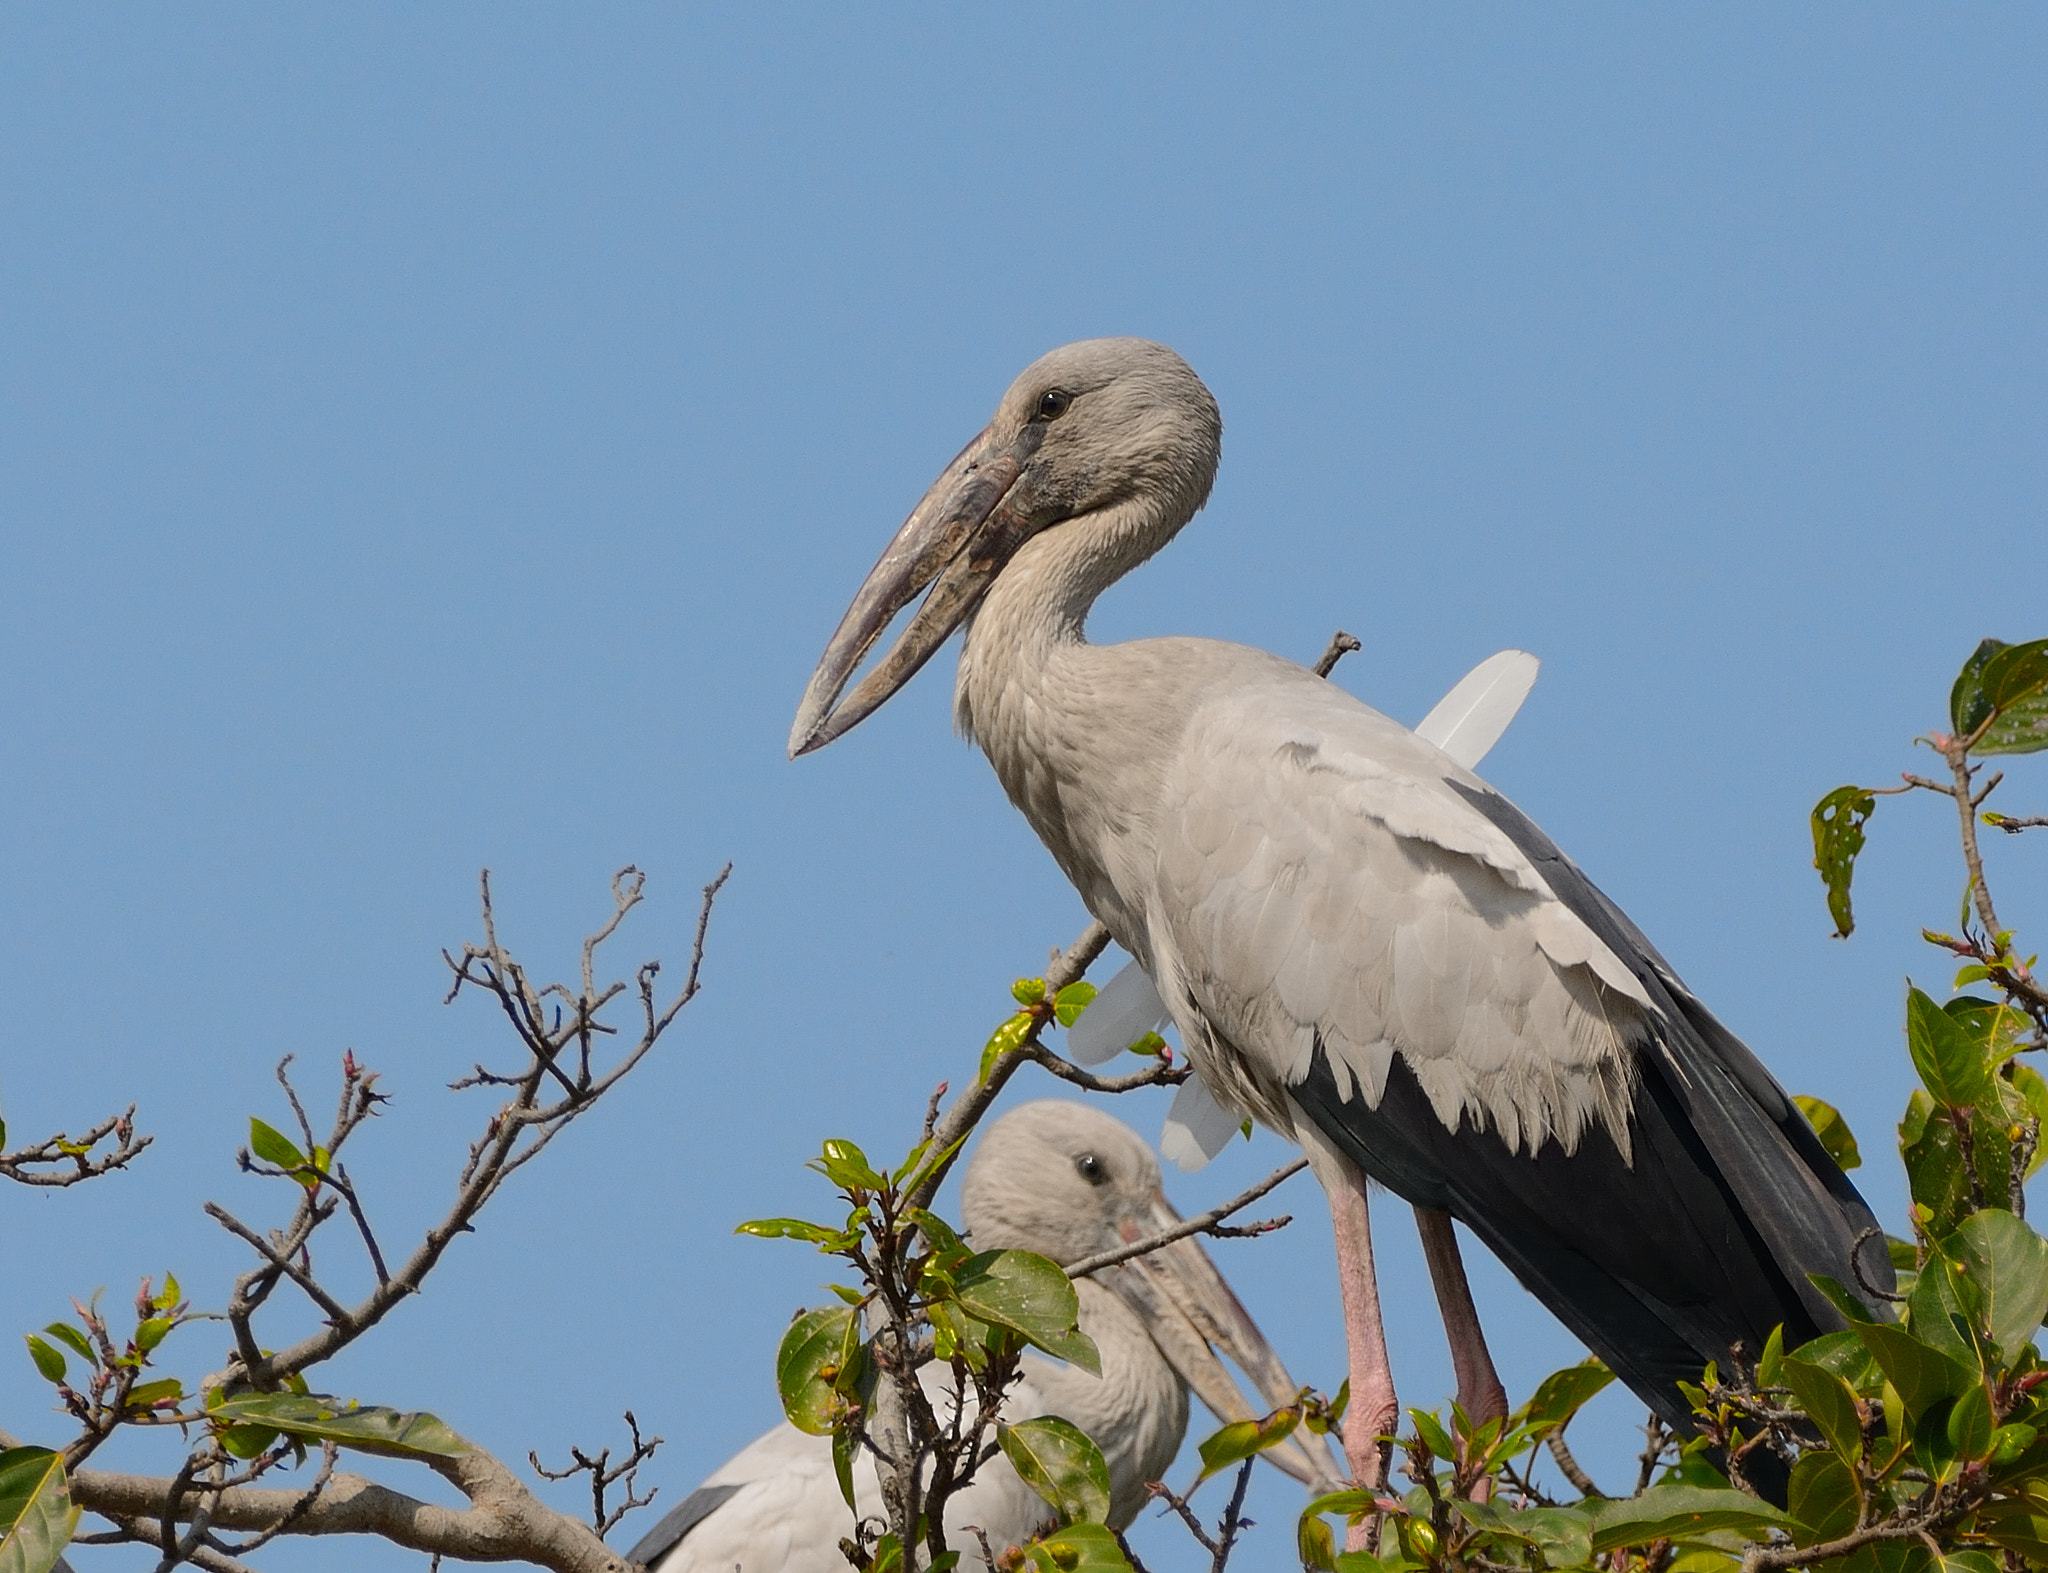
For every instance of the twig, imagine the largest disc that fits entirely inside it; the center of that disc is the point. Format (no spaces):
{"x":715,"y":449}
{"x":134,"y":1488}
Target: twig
{"x":1581,"y":1481}
{"x":22,"y":1164}
{"x":1233,"y":1518}
{"x":1201,"y":1223}
{"x":1341,"y":645}
{"x":1179,"y":1505}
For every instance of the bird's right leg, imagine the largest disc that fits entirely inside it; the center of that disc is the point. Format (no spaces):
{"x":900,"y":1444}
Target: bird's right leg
{"x":1373,"y":1411}
{"x":1480,"y":1393}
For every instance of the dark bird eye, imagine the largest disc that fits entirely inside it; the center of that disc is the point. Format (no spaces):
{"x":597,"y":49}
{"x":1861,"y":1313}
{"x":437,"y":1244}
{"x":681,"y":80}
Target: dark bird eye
{"x":1091,"y":1168}
{"x":1052,"y":404}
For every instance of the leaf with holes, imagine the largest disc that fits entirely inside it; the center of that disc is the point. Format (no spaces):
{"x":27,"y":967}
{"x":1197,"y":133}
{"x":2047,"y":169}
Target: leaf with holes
{"x":1838,"y":821}
{"x":1058,"y":1461}
{"x":37,"y":1517}
{"x":2012,"y":686}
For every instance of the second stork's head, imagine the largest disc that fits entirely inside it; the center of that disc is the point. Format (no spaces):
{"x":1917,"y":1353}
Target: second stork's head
{"x":1107,"y":445}
{"x":1068,"y":1181}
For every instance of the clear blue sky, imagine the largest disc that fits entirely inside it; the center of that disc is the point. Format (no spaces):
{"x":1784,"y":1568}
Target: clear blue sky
{"x":441,"y":438}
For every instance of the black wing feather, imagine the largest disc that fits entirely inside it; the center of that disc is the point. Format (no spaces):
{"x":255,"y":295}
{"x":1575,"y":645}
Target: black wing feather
{"x":685,"y":1516}
{"x":1702,"y":1242}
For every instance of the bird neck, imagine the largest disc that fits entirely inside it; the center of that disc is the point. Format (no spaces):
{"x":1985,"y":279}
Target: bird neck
{"x":1136,"y":1411}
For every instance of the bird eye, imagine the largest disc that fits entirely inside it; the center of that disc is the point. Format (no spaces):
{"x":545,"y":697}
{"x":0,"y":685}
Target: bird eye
{"x":1052,"y":404}
{"x":1091,"y":1168}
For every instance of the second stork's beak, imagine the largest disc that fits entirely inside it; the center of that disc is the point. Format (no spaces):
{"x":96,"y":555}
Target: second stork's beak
{"x":1191,"y":1314}
{"x":960,"y":535}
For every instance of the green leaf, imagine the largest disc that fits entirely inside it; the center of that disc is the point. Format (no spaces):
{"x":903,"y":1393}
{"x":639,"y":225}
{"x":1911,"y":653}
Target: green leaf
{"x":1843,"y":1353}
{"x":1942,"y":1312}
{"x":1833,"y":1131}
{"x":1068,"y":1004}
{"x":1243,"y":1439}
{"x":806,"y":1364}
{"x":36,"y":1514}
{"x":47,"y":1360}
{"x":1970,"y":1425}
{"x":847,"y":1167}
{"x":2019,"y":1525}
{"x":1561,"y":1395}
{"x":845,"y":1449}
{"x":1078,"y":1548}
{"x":144,"y":1395}
{"x":1032,"y":1297}
{"x":790,"y":1229}
{"x":169,"y":1296}
{"x":1564,"y":1535}
{"x":2007,"y":1263}
{"x":2014,"y":684}
{"x":274,"y":1147}
{"x":74,"y":1340}
{"x":1028,"y":991}
{"x":1003,"y":1040}
{"x":368,"y":1428}
{"x":151,"y":1331}
{"x":1838,"y":821}
{"x":1924,"y":1376}
{"x":1058,"y":1461}
{"x":1314,"y":1544}
{"x":1682,"y":1513}
{"x":1968,"y":708}
{"x":247,"y":1441}
{"x":1434,"y":1436}
{"x":2031,"y":1087}
{"x":1829,"y":1404}
{"x":1823,"y":1498}
{"x":1952,"y":1064}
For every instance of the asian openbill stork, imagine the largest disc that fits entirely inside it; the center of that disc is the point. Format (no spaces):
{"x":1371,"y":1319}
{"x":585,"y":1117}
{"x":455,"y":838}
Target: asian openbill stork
{"x":1067,"y":1181}
{"x":1363,"y":944}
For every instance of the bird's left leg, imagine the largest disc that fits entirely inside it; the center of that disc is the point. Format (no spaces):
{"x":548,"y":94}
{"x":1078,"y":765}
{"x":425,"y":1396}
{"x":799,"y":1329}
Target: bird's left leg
{"x":1373,"y":1410}
{"x":1480,"y":1393}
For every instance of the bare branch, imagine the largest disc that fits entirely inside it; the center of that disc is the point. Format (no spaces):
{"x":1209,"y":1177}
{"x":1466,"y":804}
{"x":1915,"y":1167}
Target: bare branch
{"x":504,"y":1521}
{"x":1341,"y":645}
{"x":1201,"y":1223}
{"x":32,"y":1165}
{"x":1581,"y":1481}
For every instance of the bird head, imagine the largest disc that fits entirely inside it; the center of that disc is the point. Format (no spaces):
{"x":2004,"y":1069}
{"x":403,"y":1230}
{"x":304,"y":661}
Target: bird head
{"x":1067,"y":1181}
{"x":1117,"y":433}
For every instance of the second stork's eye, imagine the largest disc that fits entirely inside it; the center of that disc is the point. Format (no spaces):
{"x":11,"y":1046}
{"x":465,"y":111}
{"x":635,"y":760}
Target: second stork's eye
{"x":1091,"y":1168}
{"x":1052,"y":404}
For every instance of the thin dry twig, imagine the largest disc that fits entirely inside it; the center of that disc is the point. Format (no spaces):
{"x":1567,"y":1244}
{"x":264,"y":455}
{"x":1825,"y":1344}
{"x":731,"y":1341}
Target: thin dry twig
{"x":1341,"y":645}
{"x":1201,"y":1223}
{"x":44,"y":1162}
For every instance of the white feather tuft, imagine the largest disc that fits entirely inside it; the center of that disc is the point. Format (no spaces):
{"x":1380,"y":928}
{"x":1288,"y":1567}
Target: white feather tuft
{"x":1469,"y":720}
{"x":1197,"y":1126}
{"x":1127,"y":1008}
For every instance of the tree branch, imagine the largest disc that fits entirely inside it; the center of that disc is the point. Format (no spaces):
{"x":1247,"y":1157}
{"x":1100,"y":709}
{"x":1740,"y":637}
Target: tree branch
{"x":1201,"y":1223}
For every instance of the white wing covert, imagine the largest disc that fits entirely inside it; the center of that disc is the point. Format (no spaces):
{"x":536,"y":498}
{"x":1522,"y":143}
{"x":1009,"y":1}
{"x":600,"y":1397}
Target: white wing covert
{"x":1322,"y":885}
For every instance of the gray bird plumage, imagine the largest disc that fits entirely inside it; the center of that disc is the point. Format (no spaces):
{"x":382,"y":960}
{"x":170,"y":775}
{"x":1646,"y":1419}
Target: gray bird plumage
{"x":1361,"y":942}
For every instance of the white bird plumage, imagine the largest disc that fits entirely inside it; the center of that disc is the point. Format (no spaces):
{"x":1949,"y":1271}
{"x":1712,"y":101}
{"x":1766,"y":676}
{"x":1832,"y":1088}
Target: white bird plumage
{"x":1361,"y":943}
{"x":775,"y":1506}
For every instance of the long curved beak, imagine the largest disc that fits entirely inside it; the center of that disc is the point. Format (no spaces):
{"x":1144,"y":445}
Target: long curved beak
{"x":960,"y":536}
{"x":1192,"y":1314}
